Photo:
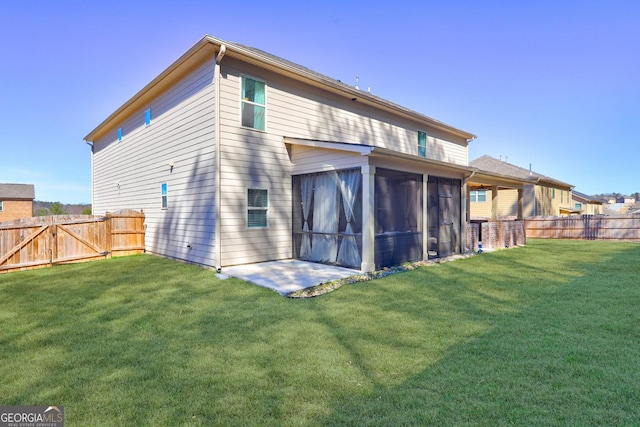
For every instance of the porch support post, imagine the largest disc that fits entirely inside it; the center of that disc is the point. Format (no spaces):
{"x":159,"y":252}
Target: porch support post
{"x":425,"y":217}
{"x":494,"y":203}
{"x":465,"y":217}
{"x":368,"y":218}
{"x":520,"y":203}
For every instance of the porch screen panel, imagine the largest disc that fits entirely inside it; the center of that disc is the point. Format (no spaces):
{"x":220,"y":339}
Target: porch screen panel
{"x":444,"y":208}
{"x":324,"y":247}
{"x":398,"y":210}
{"x":306,"y":189}
{"x":349,"y":185}
{"x":327,"y":217}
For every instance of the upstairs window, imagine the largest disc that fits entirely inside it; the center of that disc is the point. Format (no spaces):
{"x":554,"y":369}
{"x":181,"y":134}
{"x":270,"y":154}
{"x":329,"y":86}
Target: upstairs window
{"x":165,"y":199}
{"x":257,"y":205}
{"x":253,"y":103}
{"x":422,"y":144}
{"x":0,"y":205}
{"x":578,"y":206}
{"x":478,"y":195}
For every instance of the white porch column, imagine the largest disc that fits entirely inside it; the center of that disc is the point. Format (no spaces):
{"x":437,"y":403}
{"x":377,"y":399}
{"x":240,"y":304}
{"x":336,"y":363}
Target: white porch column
{"x":465,"y":196}
{"x":425,"y":217}
{"x":494,"y":203}
{"x":368,"y":218}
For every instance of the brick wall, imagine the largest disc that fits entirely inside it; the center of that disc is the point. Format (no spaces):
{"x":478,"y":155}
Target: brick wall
{"x":503,"y":234}
{"x":15,"y":209}
{"x":473,"y":236}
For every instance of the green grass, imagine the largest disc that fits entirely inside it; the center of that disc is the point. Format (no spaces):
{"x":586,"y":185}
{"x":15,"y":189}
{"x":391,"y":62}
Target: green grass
{"x":547,"y":334}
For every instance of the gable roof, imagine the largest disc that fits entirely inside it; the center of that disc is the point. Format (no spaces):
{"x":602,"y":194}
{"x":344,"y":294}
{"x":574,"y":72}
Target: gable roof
{"x":17,"y":192}
{"x":209,"y":46}
{"x":586,"y":198}
{"x":491,"y":164}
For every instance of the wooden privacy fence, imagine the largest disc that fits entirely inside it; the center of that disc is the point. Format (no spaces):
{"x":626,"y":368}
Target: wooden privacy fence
{"x":44,"y":241}
{"x":584,"y":227}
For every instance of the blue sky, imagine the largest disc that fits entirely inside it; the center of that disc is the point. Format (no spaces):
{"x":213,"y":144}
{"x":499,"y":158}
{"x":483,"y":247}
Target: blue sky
{"x":555,"y":84}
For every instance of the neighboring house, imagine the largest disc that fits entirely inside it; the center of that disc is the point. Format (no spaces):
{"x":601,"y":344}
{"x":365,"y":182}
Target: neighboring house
{"x":587,"y":205}
{"x":634,"y":209}
{"x":539,"y":195}
{"x":627,"y":200}
{"x":16,"y":201}
{"x":238,"y":156}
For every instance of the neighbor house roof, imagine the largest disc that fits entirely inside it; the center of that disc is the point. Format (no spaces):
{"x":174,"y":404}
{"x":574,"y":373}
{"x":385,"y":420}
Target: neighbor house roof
{"x":491,"y":164}
{"x":586,"y":198}
{"x":209,"y":46}
{"x":17,"y":192}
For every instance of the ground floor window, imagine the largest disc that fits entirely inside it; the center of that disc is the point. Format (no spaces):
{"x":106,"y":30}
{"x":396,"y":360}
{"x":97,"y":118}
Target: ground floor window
{"x":257,"y":205}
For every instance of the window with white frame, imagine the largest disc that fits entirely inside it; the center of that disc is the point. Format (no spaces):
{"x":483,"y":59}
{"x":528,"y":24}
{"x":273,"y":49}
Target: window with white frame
{"x":257,"y":205}
{"x":165,"y":197}
{"x":253,"y":102}
{"x":422,"y":144}
{"x":578,"y":206}
{"x":478,"y":195}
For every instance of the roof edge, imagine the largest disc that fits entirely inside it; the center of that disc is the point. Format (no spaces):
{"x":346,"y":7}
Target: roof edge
{"x":191,"y":56}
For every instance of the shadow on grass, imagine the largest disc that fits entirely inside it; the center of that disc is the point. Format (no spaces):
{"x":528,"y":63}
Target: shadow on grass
{"x":535,"y":335}
{"x":568,"y":356}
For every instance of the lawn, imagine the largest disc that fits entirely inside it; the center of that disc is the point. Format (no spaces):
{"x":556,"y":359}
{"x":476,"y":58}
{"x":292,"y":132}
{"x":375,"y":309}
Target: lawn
{"x":546,"y":334}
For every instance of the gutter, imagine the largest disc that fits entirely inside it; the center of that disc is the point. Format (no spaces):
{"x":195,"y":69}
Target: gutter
{"x":218,"y":162}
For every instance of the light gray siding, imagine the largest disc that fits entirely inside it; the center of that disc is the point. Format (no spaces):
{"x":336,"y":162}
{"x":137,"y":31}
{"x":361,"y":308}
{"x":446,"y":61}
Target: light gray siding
{"x":251,"y":159}
{"x":182,"y":132}
{"x":303,"y":111}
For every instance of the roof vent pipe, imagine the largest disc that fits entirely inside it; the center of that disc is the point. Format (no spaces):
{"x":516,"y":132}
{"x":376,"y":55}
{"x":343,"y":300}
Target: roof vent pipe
{"x":530,"y":172}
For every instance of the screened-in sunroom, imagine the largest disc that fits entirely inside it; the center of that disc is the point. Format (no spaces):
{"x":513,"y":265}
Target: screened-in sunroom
{"x":329,"y":216}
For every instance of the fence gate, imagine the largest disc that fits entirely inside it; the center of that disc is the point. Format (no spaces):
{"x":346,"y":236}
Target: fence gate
{"x":44,"y":241}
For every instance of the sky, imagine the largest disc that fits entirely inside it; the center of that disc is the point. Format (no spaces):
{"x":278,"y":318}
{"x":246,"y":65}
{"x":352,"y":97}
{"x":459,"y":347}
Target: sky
{"x":551,"y":84}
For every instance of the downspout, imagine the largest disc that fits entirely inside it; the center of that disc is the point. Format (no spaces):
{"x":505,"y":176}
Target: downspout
{"x":218,"y":163}
{"x":90,"y":144}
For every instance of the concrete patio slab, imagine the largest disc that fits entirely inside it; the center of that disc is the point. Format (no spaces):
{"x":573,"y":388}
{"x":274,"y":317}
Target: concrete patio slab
{"x":288,"y":275}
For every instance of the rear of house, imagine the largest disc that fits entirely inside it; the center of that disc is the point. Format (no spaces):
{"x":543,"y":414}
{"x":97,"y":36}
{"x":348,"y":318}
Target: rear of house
{"x":237,"y":156}
{"x":16,"y":201}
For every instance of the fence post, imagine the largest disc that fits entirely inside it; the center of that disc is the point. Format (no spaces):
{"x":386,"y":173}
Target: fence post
{"x":108,"y":234}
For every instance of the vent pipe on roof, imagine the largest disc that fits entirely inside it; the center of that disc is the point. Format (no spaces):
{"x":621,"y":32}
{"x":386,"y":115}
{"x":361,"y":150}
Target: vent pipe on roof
{"x":530,"y":172}
{"x":357,"y":82}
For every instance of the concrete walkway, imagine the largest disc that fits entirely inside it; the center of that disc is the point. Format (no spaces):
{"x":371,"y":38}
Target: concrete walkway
{"x":288,"y":275}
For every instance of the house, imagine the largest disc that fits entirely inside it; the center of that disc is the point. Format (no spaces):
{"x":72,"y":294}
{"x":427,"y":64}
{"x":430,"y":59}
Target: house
{"x":538,"y":195}
{"x":586,"y":204}
{"x":238,"y":156}
{"x":627,"y":200}
{"x":16,"y":201}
